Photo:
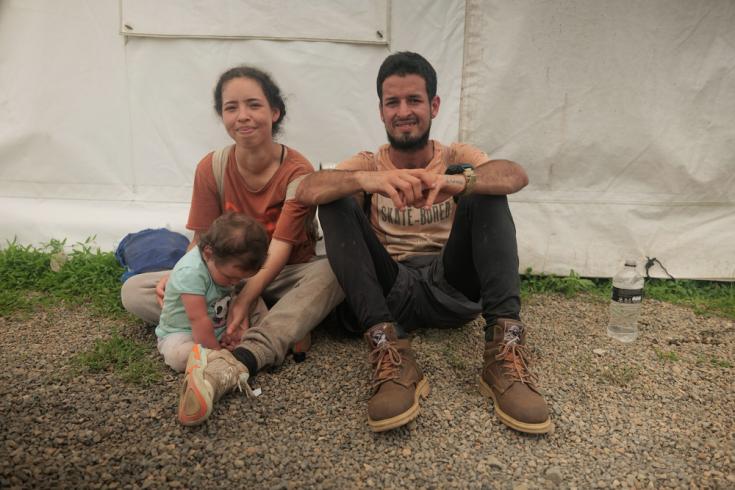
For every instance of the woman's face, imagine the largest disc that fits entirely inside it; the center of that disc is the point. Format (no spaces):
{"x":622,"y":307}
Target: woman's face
{"x":246,"y":113}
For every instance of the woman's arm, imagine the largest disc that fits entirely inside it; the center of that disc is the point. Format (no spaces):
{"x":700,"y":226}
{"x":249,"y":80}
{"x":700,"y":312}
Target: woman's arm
{"x":202,"y":329}
{"x":239,"y":317}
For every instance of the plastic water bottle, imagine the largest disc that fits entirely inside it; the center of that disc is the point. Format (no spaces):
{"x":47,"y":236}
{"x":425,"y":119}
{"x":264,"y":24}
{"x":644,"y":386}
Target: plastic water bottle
{"x":625,"y":305}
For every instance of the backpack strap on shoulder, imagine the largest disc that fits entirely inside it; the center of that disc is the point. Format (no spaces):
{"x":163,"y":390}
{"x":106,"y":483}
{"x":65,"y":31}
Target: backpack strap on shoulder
{"x":219,"y":164}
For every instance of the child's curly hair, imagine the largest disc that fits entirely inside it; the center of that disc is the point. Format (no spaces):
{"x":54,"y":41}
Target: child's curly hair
{"x":236,"y":237}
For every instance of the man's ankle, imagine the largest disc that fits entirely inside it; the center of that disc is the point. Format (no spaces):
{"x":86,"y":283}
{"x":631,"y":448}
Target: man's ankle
{"x":247,"y":358}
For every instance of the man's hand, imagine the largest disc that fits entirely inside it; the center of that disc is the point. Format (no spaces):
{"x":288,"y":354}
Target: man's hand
{"x":405,"y":187}
{"x":442,"y":187}
{"x":161,"y":289}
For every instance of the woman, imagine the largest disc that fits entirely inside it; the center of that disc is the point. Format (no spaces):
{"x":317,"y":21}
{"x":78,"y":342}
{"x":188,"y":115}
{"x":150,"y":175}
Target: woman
{"x":259,"y":179}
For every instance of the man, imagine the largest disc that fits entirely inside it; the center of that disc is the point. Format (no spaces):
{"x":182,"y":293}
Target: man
{"x":428,"y":241}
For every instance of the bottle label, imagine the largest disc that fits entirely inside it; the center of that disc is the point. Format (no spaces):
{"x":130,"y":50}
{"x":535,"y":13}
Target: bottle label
{"x":628,"y":296}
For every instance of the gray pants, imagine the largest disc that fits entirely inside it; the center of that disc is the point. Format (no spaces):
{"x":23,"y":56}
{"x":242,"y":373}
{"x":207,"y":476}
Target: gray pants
{"x":302,"y":296}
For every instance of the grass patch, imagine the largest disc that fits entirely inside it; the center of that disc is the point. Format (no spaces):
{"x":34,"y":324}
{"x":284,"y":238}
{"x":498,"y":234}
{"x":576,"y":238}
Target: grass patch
{"x":127,"y":358}
{"x":77,"y":274}
{"x":703,"y":297}
{"x":670,"y":355}
{"x":82,"y":274}
{"x":570,"y":285}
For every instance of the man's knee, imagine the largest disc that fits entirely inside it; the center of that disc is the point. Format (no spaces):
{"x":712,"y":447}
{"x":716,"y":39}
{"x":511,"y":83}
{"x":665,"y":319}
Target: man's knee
{"x":485,"y":208}
{"x":337,"y":211}
{"x":483,"y":200}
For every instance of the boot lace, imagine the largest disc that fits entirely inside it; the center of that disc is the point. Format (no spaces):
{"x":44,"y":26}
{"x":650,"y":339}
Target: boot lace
{"x":244,"y":386}
{"x":513,"y":357}
{"x":387,"y":361}
{"x":226,"y":381}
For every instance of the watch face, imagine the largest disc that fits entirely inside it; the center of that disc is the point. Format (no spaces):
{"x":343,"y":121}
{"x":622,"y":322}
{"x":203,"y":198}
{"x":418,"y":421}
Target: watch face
{"x":458,"y":168}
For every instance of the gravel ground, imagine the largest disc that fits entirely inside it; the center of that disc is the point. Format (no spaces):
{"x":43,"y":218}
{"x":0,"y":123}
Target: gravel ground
{"x":629,"y":416}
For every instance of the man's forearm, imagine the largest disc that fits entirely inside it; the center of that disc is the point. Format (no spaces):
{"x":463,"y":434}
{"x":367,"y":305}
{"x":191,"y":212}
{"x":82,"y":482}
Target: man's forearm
{"x":500,"y":177}
{"x":327,"y":186}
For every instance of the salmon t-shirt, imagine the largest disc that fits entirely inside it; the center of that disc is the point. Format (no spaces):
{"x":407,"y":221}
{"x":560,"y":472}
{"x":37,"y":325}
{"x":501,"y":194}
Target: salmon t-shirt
{"x":284,"y":219}
{"x":414,"y":231}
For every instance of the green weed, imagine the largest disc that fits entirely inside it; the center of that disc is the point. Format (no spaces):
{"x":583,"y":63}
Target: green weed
{"x":619,"y":375}
{"x":713,"y":361}
{"x":670,"y":356}
{"x":569,"y":285}
{"x":721,"y":363}
{"x":704,"y":297}
{"x":83,"y":275}
{"x":128,"y":358}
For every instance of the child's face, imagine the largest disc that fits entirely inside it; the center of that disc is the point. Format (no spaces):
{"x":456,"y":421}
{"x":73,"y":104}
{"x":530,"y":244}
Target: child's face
{"x":228,"y":273}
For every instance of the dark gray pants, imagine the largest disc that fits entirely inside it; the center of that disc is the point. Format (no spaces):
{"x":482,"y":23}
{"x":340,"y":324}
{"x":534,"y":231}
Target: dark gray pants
{"x":477,"y":270}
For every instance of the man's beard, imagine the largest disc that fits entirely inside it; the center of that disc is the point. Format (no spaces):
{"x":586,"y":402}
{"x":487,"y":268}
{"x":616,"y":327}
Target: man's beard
{"x":410,"y":143}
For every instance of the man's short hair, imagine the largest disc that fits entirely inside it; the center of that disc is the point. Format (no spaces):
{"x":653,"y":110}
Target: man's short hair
{"x":407,"y":63}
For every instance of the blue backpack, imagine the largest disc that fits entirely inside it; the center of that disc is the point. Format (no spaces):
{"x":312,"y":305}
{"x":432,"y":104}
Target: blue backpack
{"x":150,"y":250}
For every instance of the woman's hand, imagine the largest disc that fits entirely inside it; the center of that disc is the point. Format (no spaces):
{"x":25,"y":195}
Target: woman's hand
{"x":230,"y":341}
{"x":238,"y":317}
{"x":246,"y":302}
{"x":161,"y":289}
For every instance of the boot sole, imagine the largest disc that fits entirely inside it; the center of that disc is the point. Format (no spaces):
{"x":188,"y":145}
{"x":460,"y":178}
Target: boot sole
{"x":193,"y":388}
{"x":540,"y":428}
{"x":422,"y":390}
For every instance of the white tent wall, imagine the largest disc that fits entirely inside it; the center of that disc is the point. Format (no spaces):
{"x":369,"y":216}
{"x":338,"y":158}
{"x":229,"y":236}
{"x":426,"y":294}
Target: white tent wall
{"x":623,"y":114}
{"x":100,"y":136}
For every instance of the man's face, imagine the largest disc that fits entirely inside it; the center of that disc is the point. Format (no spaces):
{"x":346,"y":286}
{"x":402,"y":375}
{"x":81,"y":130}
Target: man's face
{"x":407,"y":111}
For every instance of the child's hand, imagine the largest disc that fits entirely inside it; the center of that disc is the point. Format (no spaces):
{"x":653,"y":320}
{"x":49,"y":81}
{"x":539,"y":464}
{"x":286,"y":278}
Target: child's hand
{"x":231,"y":340}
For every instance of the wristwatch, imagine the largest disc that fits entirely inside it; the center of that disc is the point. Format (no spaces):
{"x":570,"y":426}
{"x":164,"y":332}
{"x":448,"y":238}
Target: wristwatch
{"x":468,"y":171}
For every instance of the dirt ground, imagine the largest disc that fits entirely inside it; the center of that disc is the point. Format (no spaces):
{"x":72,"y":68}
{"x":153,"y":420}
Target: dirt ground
{"x":656,"y":413}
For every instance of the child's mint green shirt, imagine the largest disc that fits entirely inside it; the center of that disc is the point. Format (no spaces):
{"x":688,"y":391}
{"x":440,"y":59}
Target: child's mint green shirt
{"x":191,"y":276}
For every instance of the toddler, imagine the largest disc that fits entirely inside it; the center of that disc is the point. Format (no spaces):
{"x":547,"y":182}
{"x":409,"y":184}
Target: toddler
{"x":202,"y":284}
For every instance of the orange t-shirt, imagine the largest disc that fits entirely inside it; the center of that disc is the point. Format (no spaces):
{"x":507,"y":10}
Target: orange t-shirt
{"x":414,"y":231}
{"x":283,"y":219}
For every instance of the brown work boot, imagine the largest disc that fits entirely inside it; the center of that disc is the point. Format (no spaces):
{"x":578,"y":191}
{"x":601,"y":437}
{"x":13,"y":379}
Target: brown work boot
{"x":506,"y":379}
{"x":398,"y":383}
{"x":209,"y":375}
